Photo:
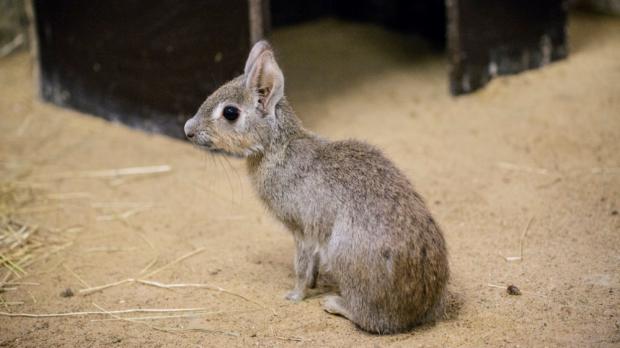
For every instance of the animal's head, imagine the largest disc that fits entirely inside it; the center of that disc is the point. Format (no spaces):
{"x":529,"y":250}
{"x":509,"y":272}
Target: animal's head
{"x":239,"y":117}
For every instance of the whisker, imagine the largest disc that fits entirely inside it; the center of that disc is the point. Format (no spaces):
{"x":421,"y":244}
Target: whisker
{"x":236,"y":174}
{"x":232,"y":193}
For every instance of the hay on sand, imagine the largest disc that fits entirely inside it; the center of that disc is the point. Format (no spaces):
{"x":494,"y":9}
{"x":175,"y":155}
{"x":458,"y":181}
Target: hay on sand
{"x":22,"y":243}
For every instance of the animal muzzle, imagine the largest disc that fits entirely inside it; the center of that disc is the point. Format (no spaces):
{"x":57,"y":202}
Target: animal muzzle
{"x":190,"y":128}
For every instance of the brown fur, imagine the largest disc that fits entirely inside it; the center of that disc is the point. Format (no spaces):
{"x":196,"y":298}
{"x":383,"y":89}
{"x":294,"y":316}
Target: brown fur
{"x":352,"y":213}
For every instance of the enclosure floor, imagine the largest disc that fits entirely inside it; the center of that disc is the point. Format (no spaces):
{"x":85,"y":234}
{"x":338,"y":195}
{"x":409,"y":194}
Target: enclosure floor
{"x":541,"y":146}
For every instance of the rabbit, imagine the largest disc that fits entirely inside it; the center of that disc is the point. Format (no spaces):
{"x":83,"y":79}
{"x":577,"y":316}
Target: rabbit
{"x":352,"y":213}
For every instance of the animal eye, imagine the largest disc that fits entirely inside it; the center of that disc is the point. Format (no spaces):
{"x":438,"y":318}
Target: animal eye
{"x":230,"y":113}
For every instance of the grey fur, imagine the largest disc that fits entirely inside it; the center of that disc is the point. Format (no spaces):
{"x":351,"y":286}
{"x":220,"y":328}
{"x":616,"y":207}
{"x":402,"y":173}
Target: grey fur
{"x":352,"y":213}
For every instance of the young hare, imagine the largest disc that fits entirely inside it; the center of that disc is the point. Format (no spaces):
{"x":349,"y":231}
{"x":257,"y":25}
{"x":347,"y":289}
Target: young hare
{"x":352,"y":213}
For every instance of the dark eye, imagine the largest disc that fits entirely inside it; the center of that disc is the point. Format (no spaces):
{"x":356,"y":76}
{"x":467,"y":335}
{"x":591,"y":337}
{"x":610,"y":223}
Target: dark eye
{"x":230,"y":113}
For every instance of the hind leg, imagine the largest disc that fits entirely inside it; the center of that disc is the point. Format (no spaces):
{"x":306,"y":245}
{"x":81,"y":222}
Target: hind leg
{"x":334,"y":304}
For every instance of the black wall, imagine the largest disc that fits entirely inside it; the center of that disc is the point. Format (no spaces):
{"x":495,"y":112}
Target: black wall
{"x":147,"y":63}
{"x":426,"y":18}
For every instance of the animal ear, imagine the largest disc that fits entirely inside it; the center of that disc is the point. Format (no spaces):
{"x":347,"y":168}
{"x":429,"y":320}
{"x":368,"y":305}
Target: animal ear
{"x":266,"y":80}
{"x":256,"y":51}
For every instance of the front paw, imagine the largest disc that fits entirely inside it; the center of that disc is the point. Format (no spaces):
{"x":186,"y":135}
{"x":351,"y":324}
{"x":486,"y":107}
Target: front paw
{"x":295,"y":296}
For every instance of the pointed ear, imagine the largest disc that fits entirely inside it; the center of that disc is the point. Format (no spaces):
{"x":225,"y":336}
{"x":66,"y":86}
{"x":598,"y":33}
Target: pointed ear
{"x":256,"y":51}
{"x":266,"y":80}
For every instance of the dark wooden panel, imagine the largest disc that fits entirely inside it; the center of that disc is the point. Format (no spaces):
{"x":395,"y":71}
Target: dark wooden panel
{"x":147,"y":63}
{"x":489,"y":37}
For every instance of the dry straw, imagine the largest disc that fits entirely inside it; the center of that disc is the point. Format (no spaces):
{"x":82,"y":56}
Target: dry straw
{"x":22,"y":243}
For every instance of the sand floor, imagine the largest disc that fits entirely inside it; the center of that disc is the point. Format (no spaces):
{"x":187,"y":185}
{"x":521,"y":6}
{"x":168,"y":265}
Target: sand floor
{"x":542,"y":146}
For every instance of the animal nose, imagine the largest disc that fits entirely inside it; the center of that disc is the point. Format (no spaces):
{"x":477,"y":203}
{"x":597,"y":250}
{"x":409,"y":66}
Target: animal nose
{"x":189,"y":128}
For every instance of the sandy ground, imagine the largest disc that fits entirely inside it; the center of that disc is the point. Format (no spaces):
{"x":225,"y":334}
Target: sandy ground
{"x":541,"y":146}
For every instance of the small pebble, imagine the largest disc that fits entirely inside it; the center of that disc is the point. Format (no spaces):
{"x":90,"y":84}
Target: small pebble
{"x":513,"y":290}
{"x":67,"y":293}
